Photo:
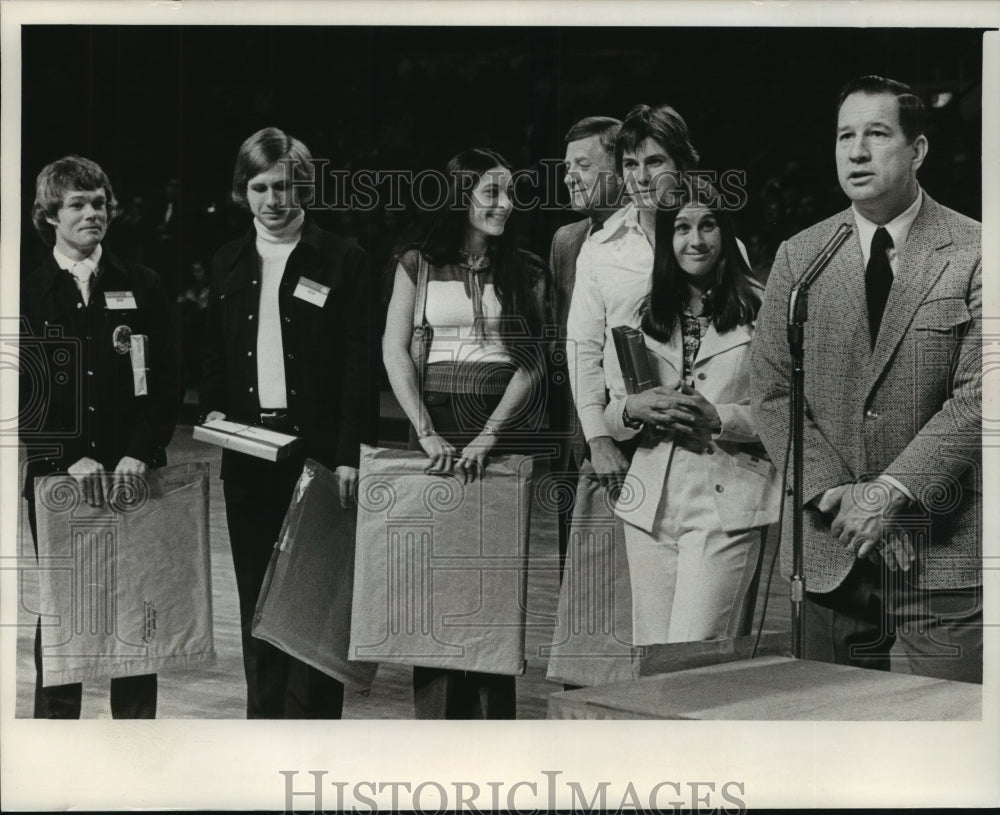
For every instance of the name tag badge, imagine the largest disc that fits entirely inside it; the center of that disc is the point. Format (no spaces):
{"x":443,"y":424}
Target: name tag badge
{"x":119,"y":300}
{"x":754,"y":464}
{"x":312,"y":292}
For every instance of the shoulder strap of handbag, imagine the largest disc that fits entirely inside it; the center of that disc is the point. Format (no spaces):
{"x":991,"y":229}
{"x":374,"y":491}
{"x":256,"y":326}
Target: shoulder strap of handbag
{"x":419,"y":325}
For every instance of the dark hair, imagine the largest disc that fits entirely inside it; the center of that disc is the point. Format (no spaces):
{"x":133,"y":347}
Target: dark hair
{"x":60,"y":177}
{"x":515,"y":272}
{"x":732,"y":299}
{"x":265,"y":148}
{"x":603,"y":126}
{"x":663,"y":125}
{"x":912,"y":113}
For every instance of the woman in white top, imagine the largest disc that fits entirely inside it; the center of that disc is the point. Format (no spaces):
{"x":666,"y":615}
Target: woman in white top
{"x":700,"y":490}
{"x":482,"y":377}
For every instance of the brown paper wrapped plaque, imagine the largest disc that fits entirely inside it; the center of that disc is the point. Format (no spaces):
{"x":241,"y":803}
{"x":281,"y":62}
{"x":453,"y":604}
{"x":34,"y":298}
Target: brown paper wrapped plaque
{"x":592,"y":640}
{"x":125,"y":589}
{"x":246,"y":438}
{"x":304,"y":607}
{"x":139,"y":351}
{"x":440,"y":578}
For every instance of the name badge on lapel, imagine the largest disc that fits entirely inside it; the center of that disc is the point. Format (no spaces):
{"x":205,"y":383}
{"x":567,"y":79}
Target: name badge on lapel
{"x":119,"y":300}
{"x":311,"y":291}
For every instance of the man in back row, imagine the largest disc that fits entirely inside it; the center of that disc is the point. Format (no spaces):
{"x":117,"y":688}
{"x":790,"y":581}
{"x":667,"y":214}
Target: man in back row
{"x":594,"y":192}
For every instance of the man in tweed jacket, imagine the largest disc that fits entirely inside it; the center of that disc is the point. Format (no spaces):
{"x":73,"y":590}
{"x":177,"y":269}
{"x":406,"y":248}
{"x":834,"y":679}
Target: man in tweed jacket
{"x":893,"y":480}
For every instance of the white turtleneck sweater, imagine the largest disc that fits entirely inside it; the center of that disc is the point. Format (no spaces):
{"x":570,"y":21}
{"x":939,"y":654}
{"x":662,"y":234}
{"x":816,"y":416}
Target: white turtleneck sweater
{"x":274,"y":247}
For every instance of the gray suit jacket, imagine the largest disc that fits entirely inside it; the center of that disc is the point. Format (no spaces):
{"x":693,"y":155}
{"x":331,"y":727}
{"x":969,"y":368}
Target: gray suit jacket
{"x":911,"y":408}
{"x":566,"y":245}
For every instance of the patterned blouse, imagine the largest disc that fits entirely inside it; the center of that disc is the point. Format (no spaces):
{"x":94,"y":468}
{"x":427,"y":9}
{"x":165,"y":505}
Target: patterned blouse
{"x":692,"y":330}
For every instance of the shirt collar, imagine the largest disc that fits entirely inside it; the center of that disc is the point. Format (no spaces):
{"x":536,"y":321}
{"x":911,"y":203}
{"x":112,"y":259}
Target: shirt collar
{"x":898,"y":228}
{"x":67,"y":263}
{"x":623,"y":220}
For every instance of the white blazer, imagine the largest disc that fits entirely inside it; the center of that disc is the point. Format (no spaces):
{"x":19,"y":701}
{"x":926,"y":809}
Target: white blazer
{"x":742,"y":479}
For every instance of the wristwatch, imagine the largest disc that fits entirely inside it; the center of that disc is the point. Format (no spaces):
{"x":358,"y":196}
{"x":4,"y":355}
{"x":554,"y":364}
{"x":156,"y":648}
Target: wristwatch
{"x":628,"y":421}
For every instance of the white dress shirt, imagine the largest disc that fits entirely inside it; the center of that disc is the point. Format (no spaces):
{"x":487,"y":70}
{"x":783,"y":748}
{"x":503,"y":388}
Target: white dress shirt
{"x":80,"y":269}
{"x":612,"y":279}
{"x":898,"y":229}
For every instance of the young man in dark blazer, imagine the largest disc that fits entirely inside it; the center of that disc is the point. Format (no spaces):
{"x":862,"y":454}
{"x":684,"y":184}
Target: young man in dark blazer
{"x":893,"y":348}
{"x":85,"y":417}
{"x":289,"y":347}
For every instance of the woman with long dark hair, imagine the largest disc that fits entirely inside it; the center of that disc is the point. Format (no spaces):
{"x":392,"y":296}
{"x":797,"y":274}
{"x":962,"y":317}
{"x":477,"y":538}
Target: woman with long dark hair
{"x":481,"y":374}
{"x":702,"y":489}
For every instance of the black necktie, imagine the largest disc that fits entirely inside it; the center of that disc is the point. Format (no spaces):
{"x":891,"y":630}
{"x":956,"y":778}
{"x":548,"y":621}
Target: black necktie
{"x":878,"y":280}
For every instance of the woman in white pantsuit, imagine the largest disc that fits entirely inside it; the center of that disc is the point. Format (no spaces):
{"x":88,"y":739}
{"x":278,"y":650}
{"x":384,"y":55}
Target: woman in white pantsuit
{"x":699,"y":494}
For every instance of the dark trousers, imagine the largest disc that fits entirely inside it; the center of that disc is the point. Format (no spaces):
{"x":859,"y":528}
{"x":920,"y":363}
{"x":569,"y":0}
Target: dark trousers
{"x":440,"y":693}
{"x":940,"y":631}
{"x":132,"y":697}
{"x":278,"y":685}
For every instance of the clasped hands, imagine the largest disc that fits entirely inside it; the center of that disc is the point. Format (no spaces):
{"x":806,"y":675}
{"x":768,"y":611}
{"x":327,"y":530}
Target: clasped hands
{"x":97,"y":484}
{"x":680,"y":409}
{"x":861,"y":511}
{"x":468,"y":466}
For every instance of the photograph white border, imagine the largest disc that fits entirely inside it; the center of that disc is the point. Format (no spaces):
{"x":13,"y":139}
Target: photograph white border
{"x":185,"y":764}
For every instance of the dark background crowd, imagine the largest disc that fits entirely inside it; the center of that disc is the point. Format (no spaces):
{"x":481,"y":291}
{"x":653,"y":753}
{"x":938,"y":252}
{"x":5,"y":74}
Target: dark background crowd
{"x":164,"y":110}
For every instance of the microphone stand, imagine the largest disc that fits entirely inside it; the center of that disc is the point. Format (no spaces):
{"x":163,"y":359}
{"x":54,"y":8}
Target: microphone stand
{"x":798,"y":315}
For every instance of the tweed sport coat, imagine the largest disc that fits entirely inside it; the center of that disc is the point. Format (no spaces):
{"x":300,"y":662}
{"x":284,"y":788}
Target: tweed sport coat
{"x":910,"y":408}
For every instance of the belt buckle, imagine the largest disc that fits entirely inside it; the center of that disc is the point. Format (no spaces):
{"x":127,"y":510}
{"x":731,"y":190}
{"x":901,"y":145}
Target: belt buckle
{"x":273,"y":417}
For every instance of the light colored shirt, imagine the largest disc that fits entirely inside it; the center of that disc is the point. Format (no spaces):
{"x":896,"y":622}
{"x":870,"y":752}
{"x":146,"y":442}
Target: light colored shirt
{"x":450,"y":311}
{"x":84,"y":271}
{"x":79,"y":268}
{"x":898,"y":229}
{"x":612,"y":279}
{"x":274,"y":248}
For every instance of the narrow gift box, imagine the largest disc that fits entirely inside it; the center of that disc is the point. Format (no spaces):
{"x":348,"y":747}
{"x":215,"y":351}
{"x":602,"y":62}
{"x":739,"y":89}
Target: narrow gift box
{"x":441,"y":572}
{"x":304,"y":607}
{"x":246,"y":438}
{"x":125,"y":589}
{"x":139,"y":353}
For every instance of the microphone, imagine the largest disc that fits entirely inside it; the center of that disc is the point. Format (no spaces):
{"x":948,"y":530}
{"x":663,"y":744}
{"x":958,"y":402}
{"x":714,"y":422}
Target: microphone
{"x":798,"y":313}
{"x":820,"y":262}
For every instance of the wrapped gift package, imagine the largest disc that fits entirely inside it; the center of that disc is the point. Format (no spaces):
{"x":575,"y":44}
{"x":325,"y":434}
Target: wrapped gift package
{"x":125,"y":589}
{"x":591,"y":643}
{"x":245,"y":438}
{"x":304,"y":607}
{"x":441,"y":573}
{"x":139,"y":350}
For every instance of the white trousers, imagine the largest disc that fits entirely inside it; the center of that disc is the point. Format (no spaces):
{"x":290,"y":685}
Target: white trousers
{"x":690,"y":579}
